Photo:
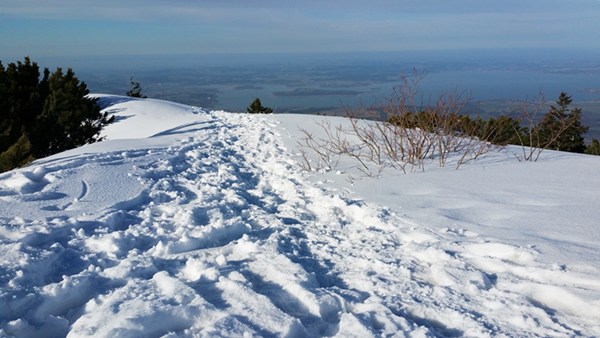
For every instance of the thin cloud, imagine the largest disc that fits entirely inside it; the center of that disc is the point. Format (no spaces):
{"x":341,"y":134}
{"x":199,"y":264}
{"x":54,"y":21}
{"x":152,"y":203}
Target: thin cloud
{"x":154,"y":9}
{"x":286,"y":25}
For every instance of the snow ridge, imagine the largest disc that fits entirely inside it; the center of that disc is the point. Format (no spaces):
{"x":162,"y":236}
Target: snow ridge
{"x":219,"y":234}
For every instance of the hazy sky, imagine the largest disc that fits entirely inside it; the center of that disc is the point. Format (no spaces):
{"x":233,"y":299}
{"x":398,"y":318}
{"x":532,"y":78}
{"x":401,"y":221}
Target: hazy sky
{"x":114,"y":27}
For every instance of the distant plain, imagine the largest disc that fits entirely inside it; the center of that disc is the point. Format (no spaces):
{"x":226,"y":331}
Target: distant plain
{"x":495,"y":81}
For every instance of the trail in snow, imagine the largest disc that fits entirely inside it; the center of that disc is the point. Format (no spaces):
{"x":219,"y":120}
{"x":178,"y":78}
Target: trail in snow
{"x":218,"y":234}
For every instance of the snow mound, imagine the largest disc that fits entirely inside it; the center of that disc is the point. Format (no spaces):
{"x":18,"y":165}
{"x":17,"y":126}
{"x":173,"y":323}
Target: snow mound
{"x":193,"y":223}
{"x":148,"y":117}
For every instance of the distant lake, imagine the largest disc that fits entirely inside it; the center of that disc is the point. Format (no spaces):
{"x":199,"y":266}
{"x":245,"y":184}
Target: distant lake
{"x":292,"y":81}
{"x":480,"y":85}
{"x":513,"y":85}
{"x":314,"y":83}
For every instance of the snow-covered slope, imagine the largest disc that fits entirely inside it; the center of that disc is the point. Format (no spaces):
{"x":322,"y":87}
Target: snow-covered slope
{"x":189,"y":223}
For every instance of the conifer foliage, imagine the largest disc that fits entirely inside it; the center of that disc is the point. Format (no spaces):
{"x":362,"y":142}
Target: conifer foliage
{"x":136,"y":89}
{"x":561,"y":128}
{"x":39,"y":117}
{"x":256,"y":107}
{"x":593,"y":148}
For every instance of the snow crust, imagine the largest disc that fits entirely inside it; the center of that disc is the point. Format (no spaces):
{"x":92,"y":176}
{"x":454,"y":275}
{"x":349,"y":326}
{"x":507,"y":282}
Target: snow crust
{"x":194,"y":223}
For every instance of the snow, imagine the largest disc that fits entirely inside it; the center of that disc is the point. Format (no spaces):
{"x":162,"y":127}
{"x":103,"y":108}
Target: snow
{"x":195,"y":223}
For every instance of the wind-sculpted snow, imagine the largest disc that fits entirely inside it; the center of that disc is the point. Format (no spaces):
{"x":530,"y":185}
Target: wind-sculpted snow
{"x":216,"y":232}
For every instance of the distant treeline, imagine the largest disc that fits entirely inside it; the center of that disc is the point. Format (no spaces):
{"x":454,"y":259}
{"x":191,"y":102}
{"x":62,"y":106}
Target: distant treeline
{"x":558,"y":129}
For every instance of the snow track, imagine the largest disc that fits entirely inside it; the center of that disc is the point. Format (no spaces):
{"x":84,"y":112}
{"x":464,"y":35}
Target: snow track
{"x":218,"y":234}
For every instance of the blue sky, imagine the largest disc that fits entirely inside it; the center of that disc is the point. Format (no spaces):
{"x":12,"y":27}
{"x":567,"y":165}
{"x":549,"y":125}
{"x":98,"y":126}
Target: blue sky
{"x":111,"y":27}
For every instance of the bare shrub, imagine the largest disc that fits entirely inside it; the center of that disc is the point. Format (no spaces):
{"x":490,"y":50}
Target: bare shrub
{"x":325,"y":149}
{"x":529,"y":136}
{"x":415,"y":132}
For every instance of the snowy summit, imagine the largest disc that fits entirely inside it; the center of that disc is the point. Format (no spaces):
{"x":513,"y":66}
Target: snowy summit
{"x":194,"y":223}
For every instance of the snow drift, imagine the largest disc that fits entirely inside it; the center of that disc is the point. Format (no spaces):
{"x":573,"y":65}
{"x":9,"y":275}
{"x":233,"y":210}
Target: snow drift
{"x":188,"y":223}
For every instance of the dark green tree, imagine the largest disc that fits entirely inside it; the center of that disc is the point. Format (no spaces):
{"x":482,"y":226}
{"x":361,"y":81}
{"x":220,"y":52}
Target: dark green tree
{"x":69,"y":118}
{"x":593,"y":148}
{"x":256,"y":107}
{"x":4,"y":122}
{"x":561,"y":128}
{"x":22,"y":97}
{"x":39,"y":117}
{"x":503,"y":130}
{"x":136,"y":89}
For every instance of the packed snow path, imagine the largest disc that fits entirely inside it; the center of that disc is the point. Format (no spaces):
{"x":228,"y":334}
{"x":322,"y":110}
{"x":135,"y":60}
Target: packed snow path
{"x":218,"y":234}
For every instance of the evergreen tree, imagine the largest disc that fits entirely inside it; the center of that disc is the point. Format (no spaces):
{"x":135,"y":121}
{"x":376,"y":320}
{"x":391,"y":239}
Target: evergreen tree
{"x":136,"y":89}
{"x":3,"y":108}
{"x":561,"y":128}
{"x":17,"y":154}
{"x":21,"y":99}
{"x":593,"y":148}
{"x":42,"y":117}
{"x":68,"y":119}
{"x":256,"y":107}
{"x":503,"y":130}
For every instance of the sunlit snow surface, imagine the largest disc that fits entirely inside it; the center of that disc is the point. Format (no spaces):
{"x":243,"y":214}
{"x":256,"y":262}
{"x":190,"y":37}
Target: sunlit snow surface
{"x":189,"y":223}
